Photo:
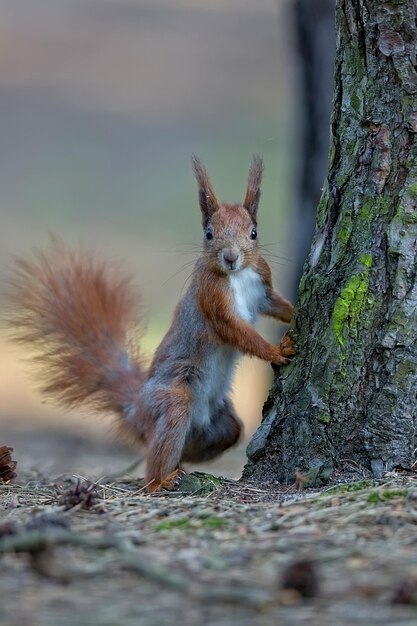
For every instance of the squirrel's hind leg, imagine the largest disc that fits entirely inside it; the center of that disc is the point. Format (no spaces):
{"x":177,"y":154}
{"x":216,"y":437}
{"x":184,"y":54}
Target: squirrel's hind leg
{"x":208,"y":441}
{"x":165,"y":446}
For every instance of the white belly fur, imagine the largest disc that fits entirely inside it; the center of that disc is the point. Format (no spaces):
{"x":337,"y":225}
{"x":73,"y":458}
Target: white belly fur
{"x":218,"y":374}
{"x":249,"y":292}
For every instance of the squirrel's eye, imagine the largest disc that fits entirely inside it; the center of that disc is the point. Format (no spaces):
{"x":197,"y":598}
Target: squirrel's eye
{"x":209,"y":234}
{"x":253,"y":233}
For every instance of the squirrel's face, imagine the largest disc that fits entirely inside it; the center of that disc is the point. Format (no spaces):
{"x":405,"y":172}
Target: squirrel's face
{"x":229,"y":229}
{"x":230,"y":239}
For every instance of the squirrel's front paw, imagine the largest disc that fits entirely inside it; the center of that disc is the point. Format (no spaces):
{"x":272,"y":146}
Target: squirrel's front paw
{"x":285,"y":349}
{"x":287,"y":345}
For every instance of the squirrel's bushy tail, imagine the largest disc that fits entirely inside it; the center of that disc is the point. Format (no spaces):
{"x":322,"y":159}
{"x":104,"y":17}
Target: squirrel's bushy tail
{"x":79,"y":315}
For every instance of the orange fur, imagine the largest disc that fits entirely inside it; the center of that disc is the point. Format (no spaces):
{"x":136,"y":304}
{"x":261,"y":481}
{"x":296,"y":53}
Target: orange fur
{"x":279,"y":307}
{"x":167,"y":440}
{"x":208,"y":201}
{"x":253,"y":191}
{"x":78,"y":315}
{"x":215,"y":304}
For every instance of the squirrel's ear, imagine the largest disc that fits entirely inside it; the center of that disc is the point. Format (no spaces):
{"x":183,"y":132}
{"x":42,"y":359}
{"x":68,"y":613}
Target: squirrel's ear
{"x":253,"y":191}
{"x":206,"y":196}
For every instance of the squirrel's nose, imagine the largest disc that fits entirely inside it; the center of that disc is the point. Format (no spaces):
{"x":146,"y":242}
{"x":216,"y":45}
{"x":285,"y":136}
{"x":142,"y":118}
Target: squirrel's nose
{"x":230,"y":255}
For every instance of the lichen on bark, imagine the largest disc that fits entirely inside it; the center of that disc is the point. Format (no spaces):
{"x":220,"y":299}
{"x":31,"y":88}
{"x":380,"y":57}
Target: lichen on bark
{"x":351,"y":392}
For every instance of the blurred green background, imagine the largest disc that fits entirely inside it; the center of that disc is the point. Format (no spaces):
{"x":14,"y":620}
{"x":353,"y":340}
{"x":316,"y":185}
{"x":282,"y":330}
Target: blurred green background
{"x":102,"y":103}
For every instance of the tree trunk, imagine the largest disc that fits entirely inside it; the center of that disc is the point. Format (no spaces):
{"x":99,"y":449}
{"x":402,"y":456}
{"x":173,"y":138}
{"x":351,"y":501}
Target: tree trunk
{"x":350,"y":394}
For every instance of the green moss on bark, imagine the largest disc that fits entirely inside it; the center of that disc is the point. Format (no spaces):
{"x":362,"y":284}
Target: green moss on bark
{"x":366,"y":259}
{"x":348,"y":306}
{"x":324,"y":418}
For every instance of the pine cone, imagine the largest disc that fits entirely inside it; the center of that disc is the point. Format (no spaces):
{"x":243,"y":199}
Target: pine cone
{"x":78,"y":492}
{"x":7,"y":465}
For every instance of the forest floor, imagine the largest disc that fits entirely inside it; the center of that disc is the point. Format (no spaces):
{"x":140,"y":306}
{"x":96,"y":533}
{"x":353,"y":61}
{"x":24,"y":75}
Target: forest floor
{"x":80,"y":552}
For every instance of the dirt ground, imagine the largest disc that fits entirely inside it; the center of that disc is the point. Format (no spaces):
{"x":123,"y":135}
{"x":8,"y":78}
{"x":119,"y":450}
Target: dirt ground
{"x":75,"y":552}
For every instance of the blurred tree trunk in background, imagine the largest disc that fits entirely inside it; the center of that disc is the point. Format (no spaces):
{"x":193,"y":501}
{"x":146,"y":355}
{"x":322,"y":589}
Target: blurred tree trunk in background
{"x":349,"y":399}
{"x":316,"y":43}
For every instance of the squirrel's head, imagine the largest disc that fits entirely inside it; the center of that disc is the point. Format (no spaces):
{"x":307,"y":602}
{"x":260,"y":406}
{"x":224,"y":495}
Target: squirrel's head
{"x":230,"y":235}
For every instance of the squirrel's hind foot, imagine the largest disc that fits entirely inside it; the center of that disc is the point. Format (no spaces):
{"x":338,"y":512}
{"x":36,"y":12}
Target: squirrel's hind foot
{"x":170,"y":483}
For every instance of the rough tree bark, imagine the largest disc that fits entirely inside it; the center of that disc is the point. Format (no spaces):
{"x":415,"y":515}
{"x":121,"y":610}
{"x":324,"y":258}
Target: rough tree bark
{"x":350,"y":394}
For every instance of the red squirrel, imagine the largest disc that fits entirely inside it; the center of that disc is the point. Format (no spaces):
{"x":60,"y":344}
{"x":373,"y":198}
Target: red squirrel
{"x":80,"y":314}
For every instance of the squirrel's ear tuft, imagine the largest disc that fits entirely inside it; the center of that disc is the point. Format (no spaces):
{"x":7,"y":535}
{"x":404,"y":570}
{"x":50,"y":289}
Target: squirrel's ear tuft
{"x":206,"y":195}
{"x":253,"y":191}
